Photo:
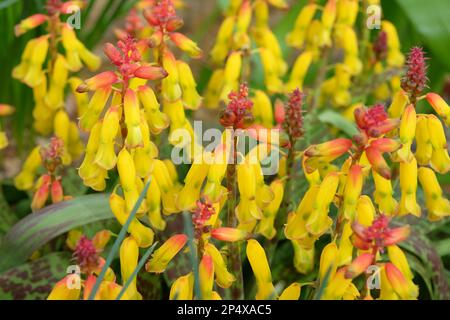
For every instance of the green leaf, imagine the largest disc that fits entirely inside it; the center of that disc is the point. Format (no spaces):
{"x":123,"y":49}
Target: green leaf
{"x":35,"y":230}
{"x":337,"y":120}
{"x":430,"y":19}
{"x":7,"y":216}
{"x":34,"y":280}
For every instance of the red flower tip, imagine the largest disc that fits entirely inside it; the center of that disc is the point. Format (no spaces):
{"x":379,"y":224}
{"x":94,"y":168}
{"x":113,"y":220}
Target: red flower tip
{"x":86,"y":255}
{"x":238,"y":112}
{"x":374,"y":121}
{"x":380,"y":46}
{"x":415,"y":78}
{"x":378,"y":235}
{"x":293,"y":118}
{"x":201,"y":215}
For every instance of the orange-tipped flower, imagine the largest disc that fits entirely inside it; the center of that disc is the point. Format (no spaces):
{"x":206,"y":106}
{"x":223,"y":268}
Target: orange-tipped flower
{"x":186,"y":44}
{"x":42,"y":193}
{"x":57,"y":193}
{"x":440,"y":106}
{"x":150,"y":73}
{"x":30,"y":23}
{"x":229,"y":234}
{"x":402,"y":286}
{"x":166,"y":253}
{"x":352,"y":191}
{"x":359,"y":265}
{"x":206,"y":277}
{"x":377,"y":162}
{"x":101,"y":80}
{"x":334,"y":148}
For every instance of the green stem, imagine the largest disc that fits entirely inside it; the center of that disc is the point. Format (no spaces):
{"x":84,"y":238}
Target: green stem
{"x":236,"y":291}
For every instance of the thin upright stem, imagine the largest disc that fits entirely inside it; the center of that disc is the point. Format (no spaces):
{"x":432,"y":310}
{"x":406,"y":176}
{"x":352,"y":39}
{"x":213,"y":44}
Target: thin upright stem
{"x":237,"y":289}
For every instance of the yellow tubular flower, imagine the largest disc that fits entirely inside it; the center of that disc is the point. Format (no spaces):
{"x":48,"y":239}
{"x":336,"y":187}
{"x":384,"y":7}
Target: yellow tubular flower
{"x":262,"y":109}
{"x":143,"y":156}
{"x":338,"y":286}
{"x":398,"y":104}
{"x":95,"y":108}
{"x":217,"y":170}
{"x":92,"y":174}
{"x":266,"y":225}
{"x":265,"y":38}
{"x":193,"y":183}
{"x":319,"y":221}
{"x":247,"y":187}
{"x":223,"y":40}
{"x":154,"y":206}
{"x":365,"y":211}
{"x":171,"y":88}
{"x":258,"y":262}
{"x":383,"y":194}
{"x":25,"y":179}
{"x":408,"y":186}
{"x":398,"y":258}
{"x":291,"y":293}
{"x":296,"y":226}
{"x":214,"y":89}
{"x":161,"y":257}
{"x":62,"y":131}
{"x":191,"y":99}
{"x":402,"y":286}
{"x":424,"y":147}
{"x":386,"y":290}
{"x":223,"y":277}
{"x":303,"y":258}
{"x":182,"y":288}
{"x":272,"y":78}
{"x":347,"y":11}
{"x":129,"y":256}
{"x":328,"y":260}
{"x":296,"y":38}
{"x":438,"y":206}
{"x":75,"y":145}
{"x":165,"y":185}
{"x":352,"y":191}
{"x":407,"y":133}
{"x":299,"y":71}
{"x":132,"y":119}
{"x":34,"y":75}
{"x":345,"y":253}
{"x":58,"y":80}
{"x":61,"y":292}
{"x":328,"y":19}
{"x":76,"y":52}
{"x":231,"y":74}
{"x":157,"y":121}
{"x":440,"y":160}
{"x":440,"y":106}
{"x":127,"y":174}
{"x":82,"y":99}
{"x":106,"y":156}
{"x":142,"y":234}
{"x":206,"y":277}
{"x":394,"y":56}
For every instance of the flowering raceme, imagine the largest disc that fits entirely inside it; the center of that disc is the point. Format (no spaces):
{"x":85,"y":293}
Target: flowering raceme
{"x":48,"y":71}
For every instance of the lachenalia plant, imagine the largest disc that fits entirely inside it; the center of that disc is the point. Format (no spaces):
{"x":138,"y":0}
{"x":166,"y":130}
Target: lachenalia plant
{"x":48,"y":66}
